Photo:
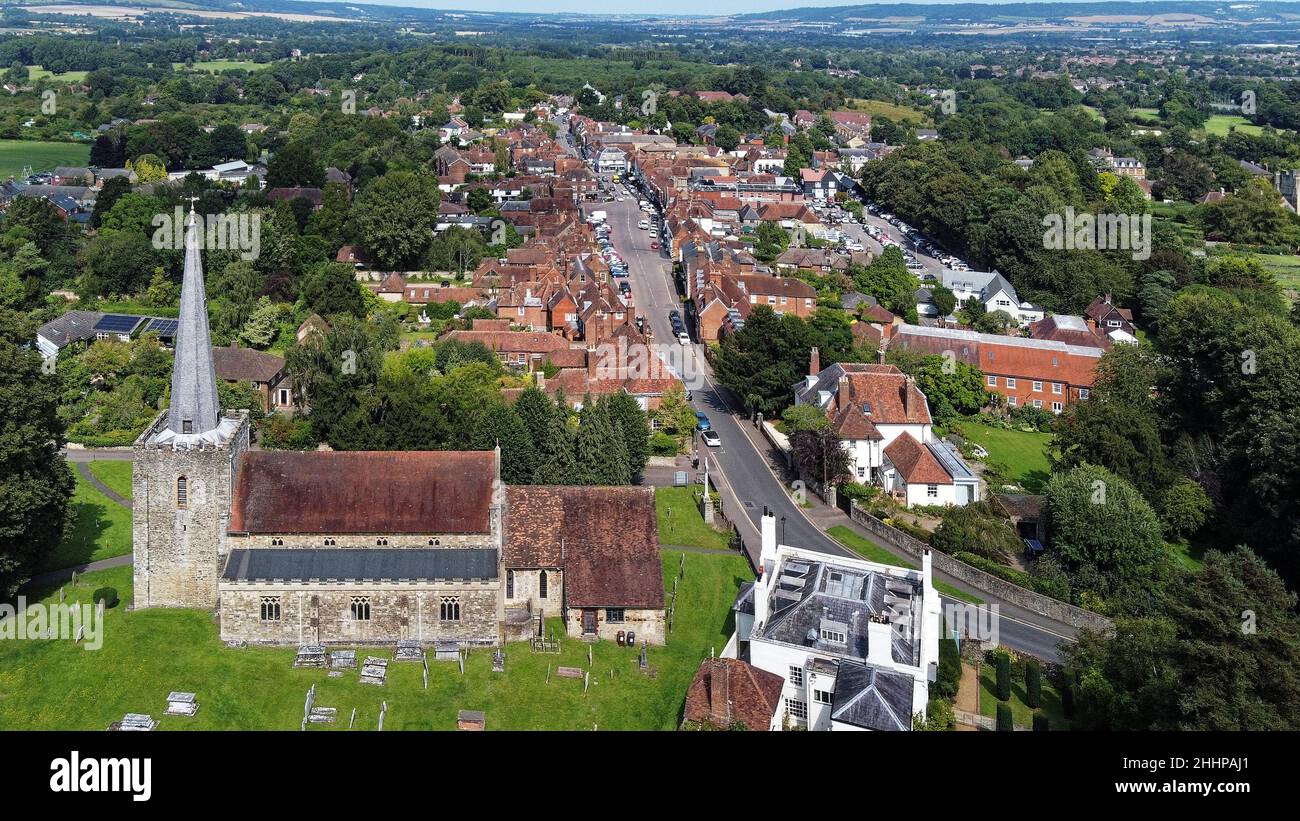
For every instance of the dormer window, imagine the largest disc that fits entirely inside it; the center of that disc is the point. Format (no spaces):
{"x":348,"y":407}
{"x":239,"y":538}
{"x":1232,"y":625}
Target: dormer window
{"x":833,"y":637}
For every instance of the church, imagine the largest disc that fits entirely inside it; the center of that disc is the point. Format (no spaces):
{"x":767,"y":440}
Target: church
{"x":371,"y":547}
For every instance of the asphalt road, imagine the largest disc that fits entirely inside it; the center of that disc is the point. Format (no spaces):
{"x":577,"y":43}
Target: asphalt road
{"x":755,"y":481}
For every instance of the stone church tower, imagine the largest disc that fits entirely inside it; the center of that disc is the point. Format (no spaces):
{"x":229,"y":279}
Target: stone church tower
{"x":184,"y":466}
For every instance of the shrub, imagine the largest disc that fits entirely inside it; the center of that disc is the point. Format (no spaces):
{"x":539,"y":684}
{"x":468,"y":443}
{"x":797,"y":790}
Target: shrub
{"x":939,"y":716}
{"x":1067,"y":699}
{"x":949,"y":678}
{"x":1039,"y":419}
{"x":1033,"y":684}
{"x":661,"y":444}
{"x":107,"y":595}
{"x":1041,"y":724}
{"x":1005,"y":722}
{"x":1003,"y":669}
{"x":287,"y":433}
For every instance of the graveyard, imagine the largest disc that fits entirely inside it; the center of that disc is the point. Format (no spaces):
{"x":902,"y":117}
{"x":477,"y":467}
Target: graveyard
{"x":171,"y":667}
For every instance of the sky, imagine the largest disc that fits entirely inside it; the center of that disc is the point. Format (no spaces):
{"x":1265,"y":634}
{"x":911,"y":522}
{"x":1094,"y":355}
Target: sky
{"x":706,"y":7}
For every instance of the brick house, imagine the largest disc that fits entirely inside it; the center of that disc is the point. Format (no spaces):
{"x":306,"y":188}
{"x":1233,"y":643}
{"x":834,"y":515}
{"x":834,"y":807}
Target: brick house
{"x":264,"y":371}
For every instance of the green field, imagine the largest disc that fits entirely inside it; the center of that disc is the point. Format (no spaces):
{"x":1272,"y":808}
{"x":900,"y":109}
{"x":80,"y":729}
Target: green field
{"x":99,"y":528}
{"x":38,"y":73}
{"x":1024,"y":453}
{"x":41,"y":156}
{"x":216,"y":66}
{"x":1285,"y":268}
{"x":873,"y":552}
{"x":115,"y":474}
{"x":680,"y":522}
{"x":56,"y":685}
{"x":1221,"y":124}
{"x":897,"y":113}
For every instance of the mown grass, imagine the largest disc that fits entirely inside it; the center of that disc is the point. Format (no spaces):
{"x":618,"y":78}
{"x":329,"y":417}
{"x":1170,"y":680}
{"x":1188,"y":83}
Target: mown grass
{"x":681,"y":523}
{"x":15,"y":155}
{"x":1021,"y":714}
{"x":99,"y":528}
{"x":115,"y":474}
{"x":1023,"y":453}
{"x":57,"y":685}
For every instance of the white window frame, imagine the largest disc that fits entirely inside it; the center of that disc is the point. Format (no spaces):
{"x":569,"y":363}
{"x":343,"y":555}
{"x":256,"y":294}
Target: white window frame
{"x":992,"y":381}
{"x":1038,"y":386}
{"x":796,"y":675}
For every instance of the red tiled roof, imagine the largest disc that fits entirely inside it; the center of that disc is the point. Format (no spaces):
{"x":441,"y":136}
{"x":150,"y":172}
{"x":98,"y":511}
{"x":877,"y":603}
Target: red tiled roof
{"x":915,"y":463}
{"x":741,"y":693}
{"x":611,"y":545}
{"x":235,"y":364}
{"x":363,"y":492}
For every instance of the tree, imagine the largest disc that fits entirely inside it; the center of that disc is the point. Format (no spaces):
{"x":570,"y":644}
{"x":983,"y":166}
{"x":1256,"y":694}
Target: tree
{"x":633,"y":425}
{"x":945,"y":301}
{"x":821,"y":457}
{"x":1100,"y":525}
{"x":1002,"y":669}
{"x":331,"y":288}
{"x":1184,"y":509}
{"x":555,"y":454}
{"x":35,"y":483}
{"x":395,"y":216}
{"x":952,"y":387}
{"x":501,"y":425}
{"x":799,"y":418}
{"x":1005,"y":724}
{"x":976,"y":528}
{"x":297,"y":164}
{"x":1033,"y":684}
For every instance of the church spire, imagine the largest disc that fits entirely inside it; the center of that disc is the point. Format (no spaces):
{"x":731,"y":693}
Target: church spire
{"x":194,"y":406}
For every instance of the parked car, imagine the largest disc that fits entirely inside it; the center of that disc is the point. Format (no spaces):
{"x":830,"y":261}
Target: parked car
{"x":654,"y":245}
{"x":711,"y":438}
{"x":702,"y":421}
{"x":683,"y":338}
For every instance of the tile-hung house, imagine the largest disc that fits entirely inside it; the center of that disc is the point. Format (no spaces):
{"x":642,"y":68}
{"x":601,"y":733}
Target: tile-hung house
{"x":869,"y":406}
{"x":854,"y":642}
{"x":589,"y":555}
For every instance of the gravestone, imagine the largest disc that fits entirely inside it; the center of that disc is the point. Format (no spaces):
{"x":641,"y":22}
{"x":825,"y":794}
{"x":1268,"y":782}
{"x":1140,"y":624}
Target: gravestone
{"x":374,"y":671}
{"x":310,"y":655}
{"x":473,"y":720}
{"x":408,"y":650}
{"x":343,"y":659}
{"x":181,"y":704}
{"x":134,"y":722}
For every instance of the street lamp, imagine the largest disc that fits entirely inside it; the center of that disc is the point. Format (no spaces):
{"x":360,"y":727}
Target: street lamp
{"x":782,"y":530}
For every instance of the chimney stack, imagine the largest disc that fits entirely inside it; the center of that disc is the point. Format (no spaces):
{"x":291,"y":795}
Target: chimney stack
{"x":591,"y":362}
{"x":814,"y":362}
{"x":907,"y":396}
{"x":541,"y":380}
{"x":720,"y":692}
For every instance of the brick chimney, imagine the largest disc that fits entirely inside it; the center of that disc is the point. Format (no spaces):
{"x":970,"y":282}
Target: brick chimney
{"x":720,"y":692}
{"x":814,"y":362}
{"x":591,"y":363}
{"x":908,"y":384}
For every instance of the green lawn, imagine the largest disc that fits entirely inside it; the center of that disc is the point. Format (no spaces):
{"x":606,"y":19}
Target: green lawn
{"x":55,"y":685}
{"x":98,"y":527}
{"x":215,"y":66}
{"x":1285,"y":268}
{"x":1190,"y":556}
{"x":1049,"y":704}
{"x":15,"y":155}
{"x":117,"y":475}
{"x":680,"y":521}
{"x":873,"y":552}
{"x":1024,"y":453}
{"x":1221,"y":124}
{"x":37,"y":72}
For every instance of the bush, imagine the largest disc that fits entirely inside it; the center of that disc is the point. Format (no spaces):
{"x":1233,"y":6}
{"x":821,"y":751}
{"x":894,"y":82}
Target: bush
{"x":1005,"y":722}
{"x":939,"y":717}
{"x":1039,"y":419}
{"x":1033,"y":684}
{"x":1003,"y":669}
{"x":287,"y":433}
{"x":949,"y":678}
{"x":1052,"y":587}
{"x":661,"y":444}
{"x":107,"y":595}
{"x":1067,"y":699}
{"x":1041,"y":724}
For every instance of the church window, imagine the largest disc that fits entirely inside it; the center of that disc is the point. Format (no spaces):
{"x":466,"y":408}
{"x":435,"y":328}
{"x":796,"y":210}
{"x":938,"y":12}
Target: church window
{"x":541,"y":584}
{"x":277,"y":542}
{"x":361,"y":608}
{"x":510,"y":584}
{"x":381,"y":542}
{"x":449,"y":609}
{"x":330,"y":542}
{"x":182,"y":493}
{"x":270,"y":608}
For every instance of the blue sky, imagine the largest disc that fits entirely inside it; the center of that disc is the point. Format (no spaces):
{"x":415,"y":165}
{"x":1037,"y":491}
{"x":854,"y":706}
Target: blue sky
{"x":626,"y":6}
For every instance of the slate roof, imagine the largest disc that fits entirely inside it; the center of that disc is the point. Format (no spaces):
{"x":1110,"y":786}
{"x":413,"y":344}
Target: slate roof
{"x":363,"y":492}
{"x":872,"y":697}
{"x":360,"y":564}
{"x":74,"y":326}
{"x":807,"y":592}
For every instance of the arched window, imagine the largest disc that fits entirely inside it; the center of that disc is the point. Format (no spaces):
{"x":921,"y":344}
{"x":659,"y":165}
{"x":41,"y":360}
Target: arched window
{"x":541,"y":584}
{"x":510,"y":584}
{"x":182,"y":493}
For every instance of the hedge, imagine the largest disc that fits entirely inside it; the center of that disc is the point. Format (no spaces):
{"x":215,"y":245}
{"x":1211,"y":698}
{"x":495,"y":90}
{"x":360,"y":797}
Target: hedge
{"x":1033,"y":684}
{"x":1046,"y":587}
{"x":1005,"y":723}
{"x":1041,"y":724}
{"x":1003,"y":668}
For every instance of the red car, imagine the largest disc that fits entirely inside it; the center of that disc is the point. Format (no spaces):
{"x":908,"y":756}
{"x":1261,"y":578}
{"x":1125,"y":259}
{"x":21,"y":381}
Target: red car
{"x":654,"y":245}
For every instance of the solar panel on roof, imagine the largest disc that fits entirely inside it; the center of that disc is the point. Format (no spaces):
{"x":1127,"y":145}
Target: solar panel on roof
{"x":163,"y":327}
{"x":117,"y":323}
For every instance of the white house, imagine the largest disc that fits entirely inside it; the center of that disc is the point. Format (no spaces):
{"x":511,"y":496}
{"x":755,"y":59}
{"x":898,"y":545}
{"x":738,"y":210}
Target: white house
{"x":610,"y":160}
{"x":928,"y":473}
{"x":869,"y":406}
{"x":855,"y":642}
{"x":992,"y":290}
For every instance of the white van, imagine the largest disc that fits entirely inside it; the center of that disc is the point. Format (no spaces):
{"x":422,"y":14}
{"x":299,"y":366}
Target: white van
{"x":644,"y":225}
